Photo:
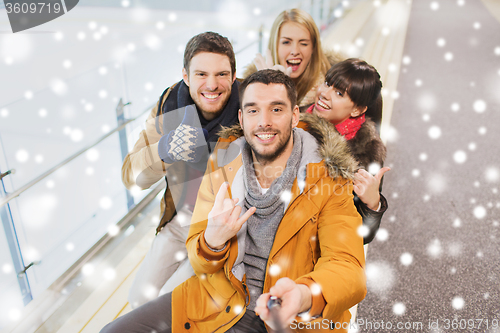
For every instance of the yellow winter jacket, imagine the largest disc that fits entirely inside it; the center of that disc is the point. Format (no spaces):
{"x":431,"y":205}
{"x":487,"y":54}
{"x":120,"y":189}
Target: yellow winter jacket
{"x":316,"y":241}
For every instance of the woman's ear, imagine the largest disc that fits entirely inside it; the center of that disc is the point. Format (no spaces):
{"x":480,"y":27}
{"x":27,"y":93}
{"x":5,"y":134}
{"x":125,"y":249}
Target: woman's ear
{"x":358,"y":111}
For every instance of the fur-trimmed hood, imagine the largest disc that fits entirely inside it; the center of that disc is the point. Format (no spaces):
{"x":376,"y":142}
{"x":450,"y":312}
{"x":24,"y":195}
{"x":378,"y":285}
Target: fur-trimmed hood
{"x":366,"y":146}
{"x":332,"y":147}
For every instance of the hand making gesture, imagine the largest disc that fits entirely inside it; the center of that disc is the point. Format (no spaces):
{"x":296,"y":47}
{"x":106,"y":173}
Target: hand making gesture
{"x":367,"y":187}
{"x":223,"y":220}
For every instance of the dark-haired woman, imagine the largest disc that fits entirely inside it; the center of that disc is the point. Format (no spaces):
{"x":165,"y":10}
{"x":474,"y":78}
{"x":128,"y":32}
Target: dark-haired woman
{"x":350,"y":98}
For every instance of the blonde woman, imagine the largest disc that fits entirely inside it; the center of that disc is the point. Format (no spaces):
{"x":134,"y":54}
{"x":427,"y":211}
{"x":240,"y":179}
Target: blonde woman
{"x":295,"y":48}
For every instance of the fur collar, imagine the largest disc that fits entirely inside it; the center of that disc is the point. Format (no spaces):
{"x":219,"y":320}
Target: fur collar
{"x":333,"y":148}
{"x":366,"y":146}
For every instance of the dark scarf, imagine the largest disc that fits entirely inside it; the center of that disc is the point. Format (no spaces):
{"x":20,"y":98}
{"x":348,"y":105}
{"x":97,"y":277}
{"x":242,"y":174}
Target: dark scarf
{"x":179,"y":97}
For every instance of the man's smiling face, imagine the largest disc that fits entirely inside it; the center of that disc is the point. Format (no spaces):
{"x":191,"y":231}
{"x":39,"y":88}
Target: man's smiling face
{"x":267,"y":119}
{"x":210,"y":81}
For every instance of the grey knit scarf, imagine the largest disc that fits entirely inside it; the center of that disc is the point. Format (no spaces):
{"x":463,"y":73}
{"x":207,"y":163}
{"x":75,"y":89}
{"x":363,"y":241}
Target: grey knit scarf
{"x":263,"y":224}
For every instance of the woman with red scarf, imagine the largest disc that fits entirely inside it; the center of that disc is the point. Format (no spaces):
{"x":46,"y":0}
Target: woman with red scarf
{"x":350,"y":99}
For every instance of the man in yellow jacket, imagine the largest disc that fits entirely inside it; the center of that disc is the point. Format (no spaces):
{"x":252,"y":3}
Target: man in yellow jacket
{"x":274,"y":217}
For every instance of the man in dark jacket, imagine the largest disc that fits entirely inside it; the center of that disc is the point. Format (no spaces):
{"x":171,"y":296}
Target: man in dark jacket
{"x":188,"y":115}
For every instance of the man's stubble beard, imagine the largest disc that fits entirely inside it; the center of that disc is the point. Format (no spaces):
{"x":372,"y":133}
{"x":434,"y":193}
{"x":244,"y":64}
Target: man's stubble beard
{"x":264,"y":159}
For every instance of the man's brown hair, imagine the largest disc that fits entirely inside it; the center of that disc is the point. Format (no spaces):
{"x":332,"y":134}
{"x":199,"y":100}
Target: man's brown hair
{"x":209,"y":42}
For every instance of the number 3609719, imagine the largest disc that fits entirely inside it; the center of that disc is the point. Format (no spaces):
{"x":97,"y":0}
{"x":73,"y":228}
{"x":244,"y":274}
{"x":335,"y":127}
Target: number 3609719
{"x":33,"y":7}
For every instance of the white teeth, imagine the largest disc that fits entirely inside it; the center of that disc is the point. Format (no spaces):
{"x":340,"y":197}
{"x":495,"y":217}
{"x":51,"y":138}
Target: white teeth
{"x":211,"y":96}
{"x":265,"y":136}
{"x":295,"y":61}
{"x":323,"y":105}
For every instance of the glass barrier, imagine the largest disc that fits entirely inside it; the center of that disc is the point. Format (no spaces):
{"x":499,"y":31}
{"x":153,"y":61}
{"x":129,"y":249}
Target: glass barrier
{"x":11,"y":299}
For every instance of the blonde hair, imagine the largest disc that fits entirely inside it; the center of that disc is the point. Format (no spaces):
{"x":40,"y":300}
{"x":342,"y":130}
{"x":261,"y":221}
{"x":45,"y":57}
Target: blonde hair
{"x":318,"y":65}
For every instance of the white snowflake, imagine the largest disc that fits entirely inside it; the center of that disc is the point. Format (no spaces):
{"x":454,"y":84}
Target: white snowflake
{"x":172,"y":17}
{"x":286,"y":196}
{"x":454,"y":249}
{"x":457,"y":223}
{"x":380,"y":277}
{"x":389,"y":133}
{"x":363,"y":231}
{"x":460,"y":156}
{"x":472,"y":146}
{"x":70,"y":247}
{"x":113,"y":230}
{"x":88,"y":269}
{"x":382,"y":235}
{"x":458,"y":303}
{"x":423,"y":156}
{"x":315,"y":289}
{"x":455,"y":107}
{"x":434,"y":5}
{"x":109,"y":274}
{"x":103,"y":93}
{"x":482,"y":130}
{"x":479,"y":212}
{"x":22,"y":156}
{"x":374,"y":168}
{"x":437,"y":183}
{"x":105,"y":203}
{"x":274,"y":270}
{"x":103,"y":70}
{"x":7,"y":268}
{"x":418,"y":83}
{"x":441,"y":42}
{"x":28,"y":94}
{"x":399,"y":309}
{"x":92,"y":155}
{"x":76,"y":135}
{"x":39,"y":158}
{"x":434,"y":132}
{"x":415,"y":173}
{"x":180,"y":255}
{"x":426,"y":117}
{"x":58,"y":36}
{"x":492,"y":174}
{"x":477,"y":25}
{"x":67,"y":64}
{"x":153,"y":42}
{"x":479,"y":106}
{"x":406,"y":60}
{"x":434,"y":249}
{"x":448,"y":56}
{"x":427,"y":101}
{"x":15,"y":314}
{"x":406,"y":259}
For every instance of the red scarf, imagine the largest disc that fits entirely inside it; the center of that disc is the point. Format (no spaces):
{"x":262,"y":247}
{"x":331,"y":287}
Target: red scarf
{"x":349,"y":127}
